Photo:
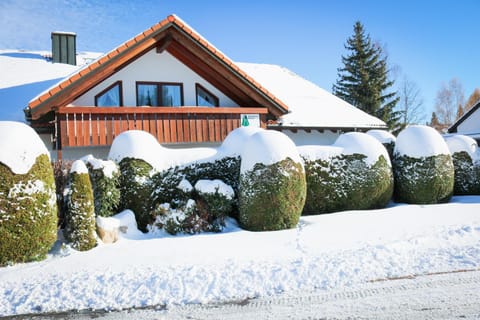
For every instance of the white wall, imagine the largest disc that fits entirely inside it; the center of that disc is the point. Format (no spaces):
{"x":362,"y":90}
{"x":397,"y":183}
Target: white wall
{"x":471,"y":124}
{"x":156,"y":68}
{"x":302,"y":137}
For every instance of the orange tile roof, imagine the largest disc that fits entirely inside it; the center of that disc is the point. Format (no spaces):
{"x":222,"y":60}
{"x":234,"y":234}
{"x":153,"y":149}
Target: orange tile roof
{"x":173,"y":20}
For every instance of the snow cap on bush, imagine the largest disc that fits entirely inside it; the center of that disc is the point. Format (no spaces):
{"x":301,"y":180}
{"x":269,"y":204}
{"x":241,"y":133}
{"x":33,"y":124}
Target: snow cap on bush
{"x":19,"y":156}
{"x":361,"y":143}
{"x":420,"y":141}
{"x":272,"y":183}
{"x":383,"y":136}
{"x":267,"y":147}
{"x":137,"y":144}
{"x":423,"y":167}
{"x":355,"y":173}
{"x":108,"y":167}
{"x":236,"y":139}
{"x":459,"y":143}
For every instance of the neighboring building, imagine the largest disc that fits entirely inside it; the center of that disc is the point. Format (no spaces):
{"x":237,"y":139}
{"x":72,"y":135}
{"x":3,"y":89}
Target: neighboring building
{"x":171,"y":82}
{"x":468,"y":124}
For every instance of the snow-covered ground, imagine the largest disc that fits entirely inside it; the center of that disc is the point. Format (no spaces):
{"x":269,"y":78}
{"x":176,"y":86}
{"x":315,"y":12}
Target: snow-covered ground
{"x":322,"y":254}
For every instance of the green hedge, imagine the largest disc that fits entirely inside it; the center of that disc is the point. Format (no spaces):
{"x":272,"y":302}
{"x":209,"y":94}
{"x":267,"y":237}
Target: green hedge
{"x":467,"y":174}
{"x":28,"y":213}
{"x":347,"y":182}
{"x":272,"y":196}
{"x":426,"y":180}
{"x":106,"y":187}
{"x":80,"y":216}
{"x":136,"y":190}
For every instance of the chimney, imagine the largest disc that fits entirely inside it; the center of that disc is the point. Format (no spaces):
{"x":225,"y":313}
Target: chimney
{"x":64,"y":47}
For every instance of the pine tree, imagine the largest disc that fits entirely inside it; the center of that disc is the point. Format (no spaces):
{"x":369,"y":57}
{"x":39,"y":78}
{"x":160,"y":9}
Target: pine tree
{"x":363,"y":81}
{"x":435,"y":123}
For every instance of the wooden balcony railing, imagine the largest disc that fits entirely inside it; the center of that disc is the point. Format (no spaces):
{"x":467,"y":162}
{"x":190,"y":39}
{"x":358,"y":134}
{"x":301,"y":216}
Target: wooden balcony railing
{"x":98,"y":126}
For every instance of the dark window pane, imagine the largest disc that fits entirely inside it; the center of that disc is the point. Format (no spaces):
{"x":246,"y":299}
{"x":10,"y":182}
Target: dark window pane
{"x":147,"y":95}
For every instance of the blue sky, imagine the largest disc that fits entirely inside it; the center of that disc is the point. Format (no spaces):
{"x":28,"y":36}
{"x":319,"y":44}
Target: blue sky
{"x":430,"y":41}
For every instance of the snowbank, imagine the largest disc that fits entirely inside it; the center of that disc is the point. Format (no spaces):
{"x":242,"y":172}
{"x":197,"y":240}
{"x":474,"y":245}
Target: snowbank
{"x":336,"y":251}
{"x":420,"y":141}
{"x":20,"y":146}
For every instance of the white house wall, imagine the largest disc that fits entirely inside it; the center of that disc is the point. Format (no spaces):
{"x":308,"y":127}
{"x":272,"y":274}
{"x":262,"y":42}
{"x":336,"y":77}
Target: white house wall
{"x":314,"y":137}
{"x":156,"y":68}
{"x":471,"y":124}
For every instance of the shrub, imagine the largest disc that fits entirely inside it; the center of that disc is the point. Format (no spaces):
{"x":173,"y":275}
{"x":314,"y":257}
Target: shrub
{"x":425,"y":180}
{"x":61,"y":170}
{"x":467,"y":174}
{"x":422,"y":167}
{"x":347,"y":182}
{"x":272,"y":196}
{"x":272,"y":182}
{"x":105,"y":178}
{"x":28,"y":212}
{"x":80,"y":215}
{"x":181,"y":209}
{"x":136,"y":190}
{"x":466,"y":162}
{"x":215,"y":201}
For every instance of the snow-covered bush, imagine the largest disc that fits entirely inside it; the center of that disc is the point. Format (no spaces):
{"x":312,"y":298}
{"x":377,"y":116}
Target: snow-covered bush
{"x":272,"y":183}
{"x":386,"y":138}
{"x":61,"y":171}
{"x":422,"y":167}
{"x":353,"y":174}
{"x":137,"y":154}
{"x":104,"y":176}
{"x":136,"y":190}
{"x":466,"y":161}
{"x":80,"y":216}
{"x":28,"y":210}
{"x":214,"y":200}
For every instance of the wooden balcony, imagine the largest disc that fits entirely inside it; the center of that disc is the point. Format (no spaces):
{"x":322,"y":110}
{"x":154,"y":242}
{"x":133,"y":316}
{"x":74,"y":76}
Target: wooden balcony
{"x":98,"y":126}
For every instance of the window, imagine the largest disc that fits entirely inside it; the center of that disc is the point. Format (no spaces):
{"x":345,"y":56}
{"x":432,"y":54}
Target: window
{"x":159,"y":94}
{"x":110,"y":97}
{"x":205,"y":98}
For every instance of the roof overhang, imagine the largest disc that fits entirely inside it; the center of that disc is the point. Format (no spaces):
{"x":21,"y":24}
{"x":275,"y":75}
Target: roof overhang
{"x":174,"y":36}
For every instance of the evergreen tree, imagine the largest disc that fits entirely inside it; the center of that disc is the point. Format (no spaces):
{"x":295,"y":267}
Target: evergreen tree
{"x":363,"y":81}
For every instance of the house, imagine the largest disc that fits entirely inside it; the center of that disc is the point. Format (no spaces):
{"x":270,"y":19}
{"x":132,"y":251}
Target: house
{"x":468,"y":124}
{"x":174,"y":84}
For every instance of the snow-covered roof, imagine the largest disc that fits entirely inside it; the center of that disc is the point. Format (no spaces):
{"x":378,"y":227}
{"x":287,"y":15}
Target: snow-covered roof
{"x":309,"y":105}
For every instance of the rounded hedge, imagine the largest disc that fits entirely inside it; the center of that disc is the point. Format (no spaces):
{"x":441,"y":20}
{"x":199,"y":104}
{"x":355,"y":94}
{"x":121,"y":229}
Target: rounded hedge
{"x":422,"y":166}
{"x":272,"y":183}
{"x":353,"y":174}
{"x":466,"y":161}
{"x":28,"y":209}
{"x":28,"y":212}
{"x":80,"y":215}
